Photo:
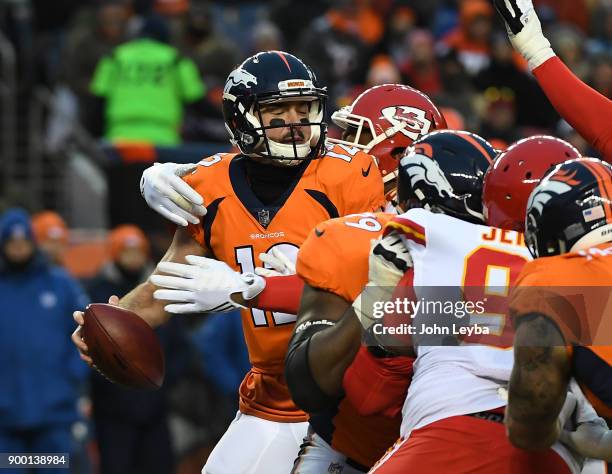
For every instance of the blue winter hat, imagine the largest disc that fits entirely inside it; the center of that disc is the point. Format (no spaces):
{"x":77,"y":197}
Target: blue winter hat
{"x":14,"y":223}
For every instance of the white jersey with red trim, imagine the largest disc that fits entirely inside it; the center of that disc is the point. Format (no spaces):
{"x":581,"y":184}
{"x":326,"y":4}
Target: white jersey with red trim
{"x":479,"y":262}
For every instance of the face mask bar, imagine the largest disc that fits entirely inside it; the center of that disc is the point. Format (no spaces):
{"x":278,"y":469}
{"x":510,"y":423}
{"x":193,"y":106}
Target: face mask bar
{"x":345,"y":119}
{"x":294,"y":152}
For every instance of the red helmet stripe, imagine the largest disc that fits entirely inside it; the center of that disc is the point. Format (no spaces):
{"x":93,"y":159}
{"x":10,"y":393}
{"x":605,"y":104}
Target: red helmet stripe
{"x":282,"y":56}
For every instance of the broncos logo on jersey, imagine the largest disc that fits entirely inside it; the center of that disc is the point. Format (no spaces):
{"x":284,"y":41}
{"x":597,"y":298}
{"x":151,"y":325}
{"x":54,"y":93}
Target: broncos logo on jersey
{"x":422,"y":169}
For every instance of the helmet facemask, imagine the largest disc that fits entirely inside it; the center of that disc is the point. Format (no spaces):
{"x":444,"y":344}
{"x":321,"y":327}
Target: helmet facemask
{"x":386,"y":144}
{"x":256,"y":142}
{"x":345,"y":119}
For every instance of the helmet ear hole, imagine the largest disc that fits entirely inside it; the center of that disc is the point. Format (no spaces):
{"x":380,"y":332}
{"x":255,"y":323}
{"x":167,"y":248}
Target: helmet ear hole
{"x":397,"y":152}
{"x":528,"y":175}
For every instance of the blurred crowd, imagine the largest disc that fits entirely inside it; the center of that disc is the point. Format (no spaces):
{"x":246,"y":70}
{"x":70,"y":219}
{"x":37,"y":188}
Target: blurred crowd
{"x":82,"y":51}
{"x":52,"y":402}
{"x":453,"y":50}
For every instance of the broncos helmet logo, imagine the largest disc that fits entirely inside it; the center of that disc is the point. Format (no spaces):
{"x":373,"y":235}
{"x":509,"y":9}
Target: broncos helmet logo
{"x":544,"y":194}
{"x":237,"y":77}
{"x":421,"y":168}
{"x":417,"y":124}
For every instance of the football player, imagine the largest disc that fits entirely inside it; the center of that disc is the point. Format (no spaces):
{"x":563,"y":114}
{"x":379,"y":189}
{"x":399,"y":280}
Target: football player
{"x":384,"y":119}
{"x":586,"y":110}
{"x":453,"y":412}
{"x":281,"y":184}
{"x":344,"y":386}
{"x":261,"y":201}
{"x":561,"y":308}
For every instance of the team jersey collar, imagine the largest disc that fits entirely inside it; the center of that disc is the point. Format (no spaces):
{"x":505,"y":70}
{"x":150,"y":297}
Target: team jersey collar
{"x":262,"y":213}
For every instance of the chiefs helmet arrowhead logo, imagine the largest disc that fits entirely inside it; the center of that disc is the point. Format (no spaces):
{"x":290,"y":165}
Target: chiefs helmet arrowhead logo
{"x":414,"y":120}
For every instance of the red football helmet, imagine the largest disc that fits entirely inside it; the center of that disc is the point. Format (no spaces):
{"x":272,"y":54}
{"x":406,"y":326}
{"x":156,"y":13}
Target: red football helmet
{"x":515,"y":173}
{"x":395,"y":115}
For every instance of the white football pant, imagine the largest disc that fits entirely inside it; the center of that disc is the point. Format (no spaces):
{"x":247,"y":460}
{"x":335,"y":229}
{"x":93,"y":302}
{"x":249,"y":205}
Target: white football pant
{"x":253,"y":445}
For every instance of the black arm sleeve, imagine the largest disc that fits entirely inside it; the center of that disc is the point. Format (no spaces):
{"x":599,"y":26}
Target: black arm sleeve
{"x":304,"y":389}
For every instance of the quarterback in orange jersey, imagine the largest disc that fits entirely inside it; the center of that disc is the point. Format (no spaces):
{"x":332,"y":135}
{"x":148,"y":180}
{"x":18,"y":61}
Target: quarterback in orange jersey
{"x":263,"y":200}
{"x":562,"y":309}
{"x":384,"y":119}
{"x":344,"y":386}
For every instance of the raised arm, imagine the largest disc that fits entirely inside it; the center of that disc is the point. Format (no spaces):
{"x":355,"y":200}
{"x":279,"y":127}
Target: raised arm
{"x":586,"y":110}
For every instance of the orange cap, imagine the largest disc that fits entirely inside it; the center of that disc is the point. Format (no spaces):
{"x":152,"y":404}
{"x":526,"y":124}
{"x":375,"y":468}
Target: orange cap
{"x":470,"y":9}
{"x":171,"y":7}
{"x":124,"y":237}
{"x":49,"y":225}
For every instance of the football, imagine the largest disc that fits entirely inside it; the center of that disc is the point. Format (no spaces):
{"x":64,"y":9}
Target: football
{"x":124,"y":348}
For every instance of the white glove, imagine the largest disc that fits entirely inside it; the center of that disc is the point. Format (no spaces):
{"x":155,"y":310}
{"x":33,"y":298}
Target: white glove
{"x":589,"y":437}
{"x":166,"y":193}
{"x":279,"y":262}
{"x":203,"y":285}
{"x":388,"y":261}
{"x":525,"y":31}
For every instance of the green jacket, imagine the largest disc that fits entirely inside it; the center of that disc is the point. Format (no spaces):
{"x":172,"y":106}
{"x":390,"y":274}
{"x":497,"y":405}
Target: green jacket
{"x":145,"y":84}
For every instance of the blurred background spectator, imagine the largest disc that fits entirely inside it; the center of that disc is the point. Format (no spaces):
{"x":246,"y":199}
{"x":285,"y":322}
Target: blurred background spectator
{"x":51,"y":233}
{"x":224,"y":356}
{"x":471,"y":38}
{"x":144,"y":84}
{"x":79,"y":78}
{"x":42,"y":376}
{"x":131,"y":426}
{"x":86,"y":46}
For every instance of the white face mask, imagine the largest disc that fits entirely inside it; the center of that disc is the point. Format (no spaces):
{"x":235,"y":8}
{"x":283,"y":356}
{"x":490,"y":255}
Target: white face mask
{"x":290,"y":154}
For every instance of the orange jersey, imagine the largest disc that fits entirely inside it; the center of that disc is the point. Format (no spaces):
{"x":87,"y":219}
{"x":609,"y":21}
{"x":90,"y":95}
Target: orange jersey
{"x":238,"y":227}
{"x":334,"y":258}
{"x":578,"y":298}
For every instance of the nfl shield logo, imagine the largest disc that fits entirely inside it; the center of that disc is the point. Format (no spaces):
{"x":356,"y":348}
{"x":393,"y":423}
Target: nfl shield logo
{"x":263,"y":216}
